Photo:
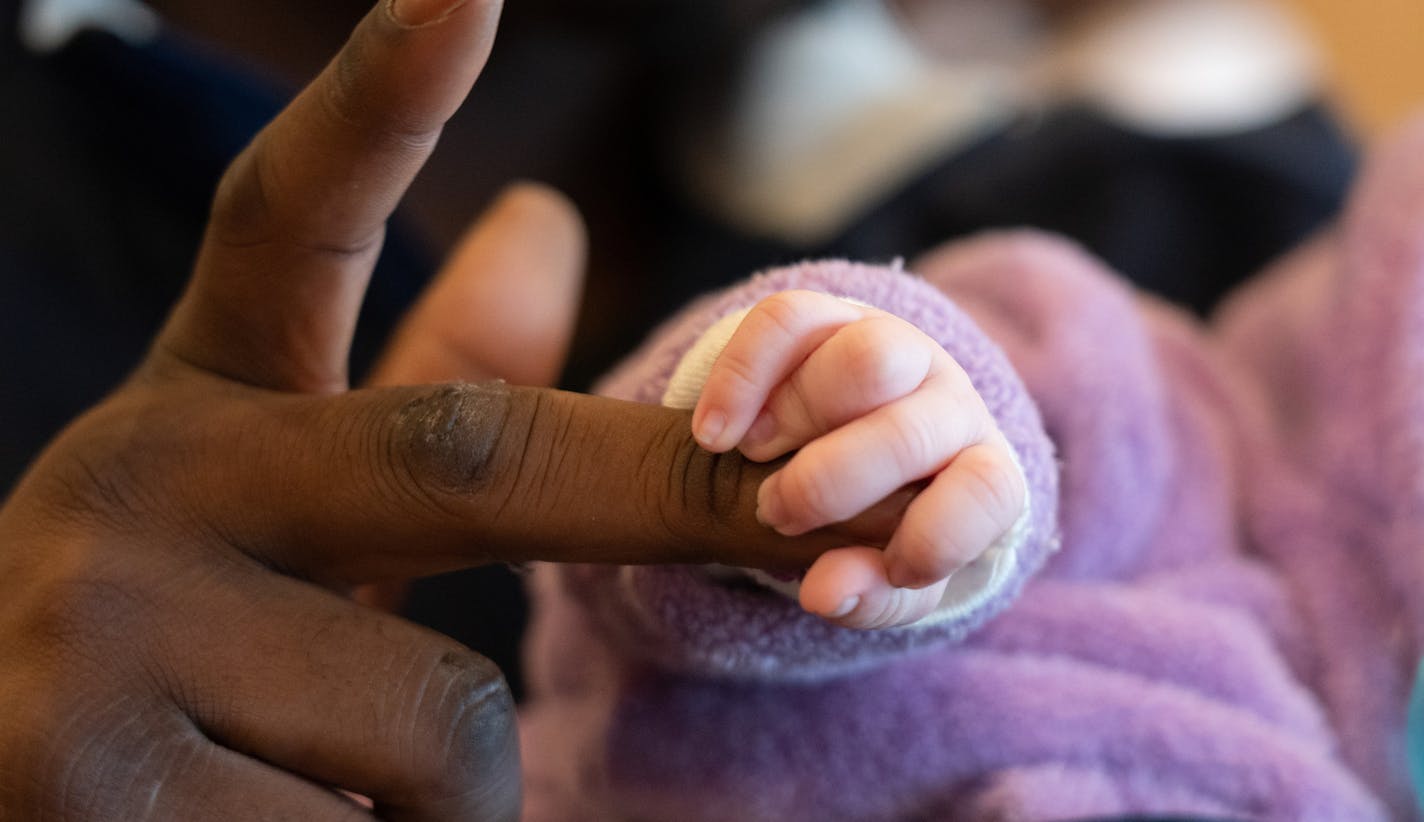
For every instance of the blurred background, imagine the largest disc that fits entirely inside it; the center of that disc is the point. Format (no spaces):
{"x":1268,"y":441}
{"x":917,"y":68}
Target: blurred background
{"x":1374,"y":52}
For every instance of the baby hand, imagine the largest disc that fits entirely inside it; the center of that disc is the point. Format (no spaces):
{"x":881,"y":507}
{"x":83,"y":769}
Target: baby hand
{"x":872,"y":404}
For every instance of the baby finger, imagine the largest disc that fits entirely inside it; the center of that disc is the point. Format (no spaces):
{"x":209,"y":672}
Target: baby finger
{"x":848,"y":586}
{"x":863,"y":366}
{"x":973,"y":502}
{"x":841,"y":474}
{"x":776,"y":335}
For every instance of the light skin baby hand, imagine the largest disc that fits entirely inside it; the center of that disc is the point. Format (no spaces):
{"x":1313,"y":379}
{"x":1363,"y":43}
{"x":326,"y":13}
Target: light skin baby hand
{"x":870,"y":404}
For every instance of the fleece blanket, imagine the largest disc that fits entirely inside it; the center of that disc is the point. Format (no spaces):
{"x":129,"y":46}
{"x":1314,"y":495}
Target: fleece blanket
{"x":1217,"y":610}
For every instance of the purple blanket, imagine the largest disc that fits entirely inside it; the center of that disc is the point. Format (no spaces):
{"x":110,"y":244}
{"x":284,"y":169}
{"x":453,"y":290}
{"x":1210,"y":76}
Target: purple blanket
{"x":1217,"y":611}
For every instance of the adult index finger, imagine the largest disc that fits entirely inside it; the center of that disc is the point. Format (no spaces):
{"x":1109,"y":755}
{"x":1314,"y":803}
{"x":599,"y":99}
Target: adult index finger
{"x":400,"y":482}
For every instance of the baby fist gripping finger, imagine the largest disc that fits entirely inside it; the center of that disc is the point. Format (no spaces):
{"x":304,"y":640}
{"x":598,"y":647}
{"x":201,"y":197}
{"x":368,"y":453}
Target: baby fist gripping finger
{"x":763,"y":637}
{"x":876,"y":404}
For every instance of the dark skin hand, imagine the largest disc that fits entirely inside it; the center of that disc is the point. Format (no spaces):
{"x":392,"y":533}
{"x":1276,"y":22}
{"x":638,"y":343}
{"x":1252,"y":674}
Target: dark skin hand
{"x":176,"y":636}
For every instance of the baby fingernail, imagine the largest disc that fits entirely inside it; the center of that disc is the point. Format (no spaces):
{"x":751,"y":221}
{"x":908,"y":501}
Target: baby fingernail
{"x":712,"y":425}
{"x":847,"y":605}
{"x":413,"y":13}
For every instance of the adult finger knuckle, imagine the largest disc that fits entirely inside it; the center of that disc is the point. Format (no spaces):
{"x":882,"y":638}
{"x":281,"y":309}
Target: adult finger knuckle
{"x":252,"y":214}
{"x":690,"y":492}
{"x":444,"y":440}
{"x":345,"y":99}
{"x":469,"y":726}
{"x":100,"y":756}
{"x":339,"y":90}
{"x":241,"y":205}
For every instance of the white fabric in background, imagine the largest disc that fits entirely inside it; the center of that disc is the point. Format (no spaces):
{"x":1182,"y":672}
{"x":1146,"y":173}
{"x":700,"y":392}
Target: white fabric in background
{"x":840,"y":106}
{"x":46,"y":25}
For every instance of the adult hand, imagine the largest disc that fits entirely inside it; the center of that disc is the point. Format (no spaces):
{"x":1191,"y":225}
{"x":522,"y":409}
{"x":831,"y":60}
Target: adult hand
{"x":174,"y":636}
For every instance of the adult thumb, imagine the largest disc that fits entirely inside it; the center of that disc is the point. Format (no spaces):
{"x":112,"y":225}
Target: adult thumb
{"x":504,"y":304}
